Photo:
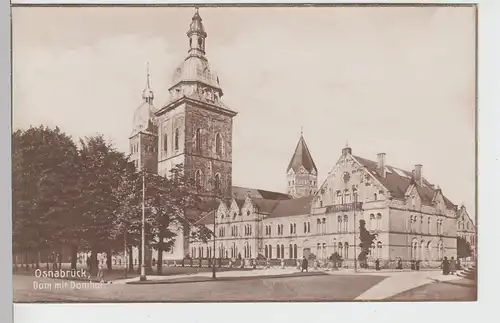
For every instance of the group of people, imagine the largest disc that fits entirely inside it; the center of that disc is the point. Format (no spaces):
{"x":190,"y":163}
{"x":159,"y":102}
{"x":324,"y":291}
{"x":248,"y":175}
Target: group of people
{"x":450,"y":266}
{"x":100,"y":267}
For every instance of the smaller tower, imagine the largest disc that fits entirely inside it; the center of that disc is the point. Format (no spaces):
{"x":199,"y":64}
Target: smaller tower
{"x":302,"y":174}
{"x":144,"y":138}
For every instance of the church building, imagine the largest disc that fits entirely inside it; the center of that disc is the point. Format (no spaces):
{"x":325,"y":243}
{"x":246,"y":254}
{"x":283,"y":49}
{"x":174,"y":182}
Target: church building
{"x":412,"y":218}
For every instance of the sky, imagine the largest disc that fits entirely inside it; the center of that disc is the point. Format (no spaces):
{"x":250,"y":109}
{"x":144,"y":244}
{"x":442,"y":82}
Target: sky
{"x":399,"y":80}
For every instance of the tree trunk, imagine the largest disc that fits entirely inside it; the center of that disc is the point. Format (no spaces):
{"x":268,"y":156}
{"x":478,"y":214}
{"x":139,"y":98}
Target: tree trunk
{"x":93,"y":261}
{"x":139,"y":260}
{"x":130,"y":259}
{"x":74,"y":256}
{"x":26,"y":266}
{"x":60,"y":258}
{"x":109,"y":259}
{"x":160,"y":255}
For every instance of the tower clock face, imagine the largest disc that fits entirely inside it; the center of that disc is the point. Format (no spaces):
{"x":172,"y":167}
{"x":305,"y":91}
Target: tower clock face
{"x":346,"y":177}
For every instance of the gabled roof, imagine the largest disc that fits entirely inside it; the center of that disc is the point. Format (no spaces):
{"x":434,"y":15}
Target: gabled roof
{"x":397,"y":182}
{"x":299,"y":206}
{"x":302,"y":158}
{"x":242,"y":192}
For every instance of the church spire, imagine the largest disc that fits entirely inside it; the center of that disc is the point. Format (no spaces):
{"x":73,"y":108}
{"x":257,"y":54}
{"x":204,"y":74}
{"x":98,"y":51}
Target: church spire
{"x":197,"y":35}
{"x":147,"y":93}
{"x":302,"y":158}
{"x":302,"y":173}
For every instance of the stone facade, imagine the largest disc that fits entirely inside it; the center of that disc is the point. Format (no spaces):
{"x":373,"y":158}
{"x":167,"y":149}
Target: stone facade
{"x":417,"y":222}
{"x":412,"y":218}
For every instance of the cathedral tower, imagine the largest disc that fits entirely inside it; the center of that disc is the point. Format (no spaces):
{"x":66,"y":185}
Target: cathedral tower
{"x":143,"y":141}
{"x":195,"y":127}
{"x":302,"y":174}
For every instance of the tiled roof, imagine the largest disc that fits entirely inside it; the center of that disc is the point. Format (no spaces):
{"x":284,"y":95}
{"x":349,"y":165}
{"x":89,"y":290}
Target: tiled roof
{"x":242,"y":192}
{"x":302,"y":158}
{"x":298,"y":206}
{"x":397,"y":182}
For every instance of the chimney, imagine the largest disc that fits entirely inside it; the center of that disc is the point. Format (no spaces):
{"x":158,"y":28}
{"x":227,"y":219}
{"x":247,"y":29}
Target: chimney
{"x":381,"y":164}
{"x":418,"y":174}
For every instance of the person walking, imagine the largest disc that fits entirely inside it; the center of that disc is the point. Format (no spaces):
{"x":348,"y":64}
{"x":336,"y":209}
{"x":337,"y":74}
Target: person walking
{"x":446,"y":266}
{"x":304,"y":264}
{"x":100,"y":271}
{"x":453,"y":266}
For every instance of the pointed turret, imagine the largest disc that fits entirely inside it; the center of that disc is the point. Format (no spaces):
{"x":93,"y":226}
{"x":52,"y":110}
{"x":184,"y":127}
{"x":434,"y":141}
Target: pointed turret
{"x":301,"y":171}
{"x":302,"y":158}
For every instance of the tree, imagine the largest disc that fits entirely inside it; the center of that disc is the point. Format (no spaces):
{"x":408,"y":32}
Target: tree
{"x":336,"y":258}
{"x":100,"y":173}
{"x":464,"y":249}
{"x":43,"y":182}
{"x":366,"y":239}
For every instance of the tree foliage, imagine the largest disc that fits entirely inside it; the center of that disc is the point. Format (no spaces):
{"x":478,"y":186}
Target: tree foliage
{"x":366,"y":240}
{"x":464,"y":249}
{"x":90,"y":197}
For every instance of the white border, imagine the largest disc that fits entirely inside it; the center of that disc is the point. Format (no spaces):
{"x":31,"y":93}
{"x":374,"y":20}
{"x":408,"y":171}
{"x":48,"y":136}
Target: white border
{"x":488,"y":207}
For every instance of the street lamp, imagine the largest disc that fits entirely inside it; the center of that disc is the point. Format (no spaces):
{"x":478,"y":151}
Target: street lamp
{"x":143,"y":231}
{"x":355,"y":205}
{"x":215,"y":189}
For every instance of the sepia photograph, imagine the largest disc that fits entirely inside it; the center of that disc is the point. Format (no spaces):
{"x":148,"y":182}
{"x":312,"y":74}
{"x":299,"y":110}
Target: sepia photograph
{"x":244,"y":153}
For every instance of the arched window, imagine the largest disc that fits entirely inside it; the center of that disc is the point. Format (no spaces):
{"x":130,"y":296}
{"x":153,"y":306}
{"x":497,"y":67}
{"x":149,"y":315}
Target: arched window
{"x":318,"y":226}
{"x":421,"y":253}
{"x":295,"y":251}
{"x":429,"y":251}
{"x":282,"y":251}
{"x":308,"y":227}
{"x":375,"y":197}
{"x":345,"y":223}
{"x":176,"y":139}
{"x":165,"y":143}
{"x":291,"y":228}
{"x":278,"y":251}
{"x":270,"y":251}
{"x":341,"y":248}
{"x":318,"y":251}
{"x":339,"y":198}
{"x":346,"y":250}
{"x":197,"y":179}
{"x":266,"y":254}
{"x":379,"y":220}
{"x":347,"y":197}
{"x":290,"y":251}
{"x":218,"y":143}
{"x":323,"y":252}
{"x":372,"y":250}
{"x":339,"y":223}
{"x":305,"y":227}
{"x":217,"y":183}
{"x":413,"y":255}
{"x":372,"y":220}
{"x":323,"y":225}
{"x":198,"y":140}
{"x":379,"y":249}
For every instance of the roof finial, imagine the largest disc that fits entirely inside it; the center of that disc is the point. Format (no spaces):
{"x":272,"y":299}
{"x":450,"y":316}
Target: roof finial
{"x":301,"y":130}
{"x":196,"y":8}
{"x":346,"y":143}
